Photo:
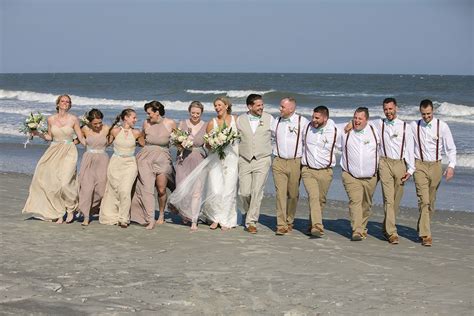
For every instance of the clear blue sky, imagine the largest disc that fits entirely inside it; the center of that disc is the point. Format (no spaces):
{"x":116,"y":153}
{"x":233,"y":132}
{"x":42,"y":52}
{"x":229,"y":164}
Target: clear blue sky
{"x":332,"y":36}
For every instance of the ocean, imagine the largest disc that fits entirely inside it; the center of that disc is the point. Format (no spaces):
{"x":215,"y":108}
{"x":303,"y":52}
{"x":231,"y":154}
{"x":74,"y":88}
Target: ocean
{"x":453,"y":97}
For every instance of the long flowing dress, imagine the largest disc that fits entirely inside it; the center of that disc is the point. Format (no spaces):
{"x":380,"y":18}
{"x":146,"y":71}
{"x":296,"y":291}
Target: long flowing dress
{"x":218,"y":179}
{"x":93,"y":174}
{"x":153,"y":159}
{"x":187,"y":162}
{"x":121,"y":174}
{"x":53,"y":190}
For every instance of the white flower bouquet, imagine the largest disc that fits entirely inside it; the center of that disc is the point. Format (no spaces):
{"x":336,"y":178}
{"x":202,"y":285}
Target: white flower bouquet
{"x":181,"y":139}
{"x":219,"y":139}
{"x":34,"y":122}
{"x":83,"y":119}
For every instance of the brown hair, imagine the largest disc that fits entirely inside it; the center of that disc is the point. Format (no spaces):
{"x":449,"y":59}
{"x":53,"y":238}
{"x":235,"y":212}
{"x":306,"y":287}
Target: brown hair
{"x":121,"y":116}
{"x":155,"y":106}
{"x":196,"y":104}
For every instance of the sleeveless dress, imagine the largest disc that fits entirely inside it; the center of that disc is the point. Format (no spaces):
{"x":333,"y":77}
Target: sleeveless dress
{"x":121,"y":174}
{"x":93,"y":174}
{"x":154,"y":159}
{"x":218,"y":180}
{"x":53,"y":190}
{"x":186,"y":163}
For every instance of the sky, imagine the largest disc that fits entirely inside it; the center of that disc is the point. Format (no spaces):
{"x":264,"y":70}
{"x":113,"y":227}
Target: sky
{"x":289,"y":36}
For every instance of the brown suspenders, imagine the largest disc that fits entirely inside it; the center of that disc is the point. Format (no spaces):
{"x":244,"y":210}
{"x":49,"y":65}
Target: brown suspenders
{"x":297,"y":138}
{"x":437,"y":141}
{"x":306,"y":147}
{"x":347,"y":156}
{"x":403,"y":139}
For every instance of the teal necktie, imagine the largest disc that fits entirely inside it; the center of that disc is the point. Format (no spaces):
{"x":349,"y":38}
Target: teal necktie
{"x":392,"y":123}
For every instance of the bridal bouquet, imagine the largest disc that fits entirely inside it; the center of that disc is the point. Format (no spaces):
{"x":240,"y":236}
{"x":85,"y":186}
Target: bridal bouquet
{"x":83,"y":119}
{"x":219,"y":139}
{"x":181,"y":139}
{"x":34,"y":122}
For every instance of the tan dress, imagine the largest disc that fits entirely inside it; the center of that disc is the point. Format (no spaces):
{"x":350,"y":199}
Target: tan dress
{"x":53,"y":190}
{"x":93,"y":174}
{"x":154,"y":159}
{"x":121,"y":174}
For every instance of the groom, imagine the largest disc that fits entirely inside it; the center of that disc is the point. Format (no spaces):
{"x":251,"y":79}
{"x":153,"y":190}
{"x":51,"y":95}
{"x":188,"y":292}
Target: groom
{"x":255,"y":151}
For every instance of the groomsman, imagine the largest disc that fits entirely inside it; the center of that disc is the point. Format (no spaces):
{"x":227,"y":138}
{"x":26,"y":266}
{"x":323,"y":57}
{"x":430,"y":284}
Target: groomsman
{"x":359,"y":163}
{"x":397,"y":164}
{"x":287,"y":149}
{"x":255,"y":150}
{"x":431,"y":136}
{"x":319,"y":158}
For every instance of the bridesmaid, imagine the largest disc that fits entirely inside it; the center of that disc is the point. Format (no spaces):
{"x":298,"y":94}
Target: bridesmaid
{"x":93,"y":172}
{"x":155,"y":167}
{"x":191,"y":158}
{"x":121,"y":172}
{"x":53,"y":190}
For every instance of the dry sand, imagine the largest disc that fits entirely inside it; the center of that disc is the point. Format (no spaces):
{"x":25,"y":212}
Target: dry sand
{"x":68,"y":269}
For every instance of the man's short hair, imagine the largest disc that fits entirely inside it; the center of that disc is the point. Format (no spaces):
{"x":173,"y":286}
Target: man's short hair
{"x":389,"y":100}
{"x":253,"y":97}
{"x":426,"y":103}
{"x":322,"y":110}
{"x":364,"y":110}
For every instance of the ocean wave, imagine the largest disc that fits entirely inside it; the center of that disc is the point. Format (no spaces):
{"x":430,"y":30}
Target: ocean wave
{"x":230,"y":93}
{"x":451,"y":109}
{"x":342,"y":94}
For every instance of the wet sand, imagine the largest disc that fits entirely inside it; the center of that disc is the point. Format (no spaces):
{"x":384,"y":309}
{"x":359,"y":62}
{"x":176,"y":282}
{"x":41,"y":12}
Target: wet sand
{"x":67,"y":269}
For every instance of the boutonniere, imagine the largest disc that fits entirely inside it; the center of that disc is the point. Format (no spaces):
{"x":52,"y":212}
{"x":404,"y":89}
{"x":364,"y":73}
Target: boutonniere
{"x":260,"y":123}
{"x":366,"y":141}
{"x":395,"y":135}
{"x":435,"y":137}
{"x":293,"y":129}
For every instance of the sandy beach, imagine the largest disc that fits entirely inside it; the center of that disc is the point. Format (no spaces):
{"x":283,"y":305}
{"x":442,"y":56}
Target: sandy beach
{"x":71,"y":270}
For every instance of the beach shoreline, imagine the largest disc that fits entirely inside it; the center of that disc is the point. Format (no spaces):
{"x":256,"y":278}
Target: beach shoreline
{"x":68,"y":269}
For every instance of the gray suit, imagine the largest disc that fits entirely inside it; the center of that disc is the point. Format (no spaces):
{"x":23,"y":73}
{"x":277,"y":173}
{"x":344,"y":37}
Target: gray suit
{"x":254,"y":163}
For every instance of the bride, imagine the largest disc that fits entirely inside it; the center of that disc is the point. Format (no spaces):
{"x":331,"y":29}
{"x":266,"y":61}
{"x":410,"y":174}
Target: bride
{"x":217,"y":178}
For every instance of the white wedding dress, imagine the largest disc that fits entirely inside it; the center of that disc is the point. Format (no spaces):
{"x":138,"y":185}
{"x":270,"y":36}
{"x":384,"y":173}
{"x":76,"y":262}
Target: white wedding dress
{"x":209,"y":192}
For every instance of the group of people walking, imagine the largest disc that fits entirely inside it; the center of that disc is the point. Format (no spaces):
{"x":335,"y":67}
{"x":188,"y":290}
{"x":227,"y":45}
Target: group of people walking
{"x":205,"y":185}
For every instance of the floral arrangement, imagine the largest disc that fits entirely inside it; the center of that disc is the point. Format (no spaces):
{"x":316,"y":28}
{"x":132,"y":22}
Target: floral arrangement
{"x":220,"y":138}
{"x":181,"y":139}
{"x":83,"y":119}
{"x":34,"y":122}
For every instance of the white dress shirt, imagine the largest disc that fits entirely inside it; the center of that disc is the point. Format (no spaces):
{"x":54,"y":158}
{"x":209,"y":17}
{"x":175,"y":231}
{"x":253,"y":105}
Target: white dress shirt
{"x":392,"y":139}
{"x":430,"y":138}
{"x":360,"y":152}
{"x":255,"y":121}
{"x":319,"y":146}
{"x":286,"y":133}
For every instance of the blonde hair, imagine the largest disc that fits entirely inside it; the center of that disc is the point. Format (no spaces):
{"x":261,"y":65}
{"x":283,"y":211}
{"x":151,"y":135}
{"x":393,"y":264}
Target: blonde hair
{"x":58,"y":99}
{"x":226,"y":101}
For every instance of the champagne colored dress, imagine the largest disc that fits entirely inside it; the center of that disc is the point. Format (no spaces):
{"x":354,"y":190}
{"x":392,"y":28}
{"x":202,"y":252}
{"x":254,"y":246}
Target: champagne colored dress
{"x":93,"y":174}
{"x":121,"y":174}
{"x":154,"y":159}
{"x":53,"y":190}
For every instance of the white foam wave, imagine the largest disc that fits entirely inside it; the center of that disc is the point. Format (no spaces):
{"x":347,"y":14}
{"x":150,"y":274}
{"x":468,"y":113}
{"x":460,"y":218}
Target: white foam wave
{"x":462,"y":160}
{"x":451,"y":109}
{"x":342,"y":94}
{"x":229,"y":93}
{"x":76,"y":100}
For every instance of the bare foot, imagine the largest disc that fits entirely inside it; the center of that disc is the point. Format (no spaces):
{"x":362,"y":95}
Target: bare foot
{"x":214,"y":225}
{"x":85,"y":222}
{"x":150,"y":226}
{"x":123,"y":225}
{"x":225,"y":228}
{"x":60,"y":220}
{"x":69,"y":217}
{"x":194,"y":227}
{"x":161,"y":219}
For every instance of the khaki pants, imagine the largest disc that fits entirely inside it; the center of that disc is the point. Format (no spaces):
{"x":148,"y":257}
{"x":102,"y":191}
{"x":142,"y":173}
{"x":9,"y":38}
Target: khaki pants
{"x":286,"y":176}
{"x":252,"y":178}
{"x":391,"y":172}
{"x":316,"y":183}
{"x":427,"y":179}
{"x":360,"y":193}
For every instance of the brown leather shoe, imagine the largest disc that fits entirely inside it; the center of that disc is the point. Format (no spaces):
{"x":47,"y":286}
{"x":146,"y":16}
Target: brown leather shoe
{"x":282,"y":231}
{"x":252,"y":229}
{"x":427,"y":241}
{"x":393,"y":239}
{"x":317,"y":231}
